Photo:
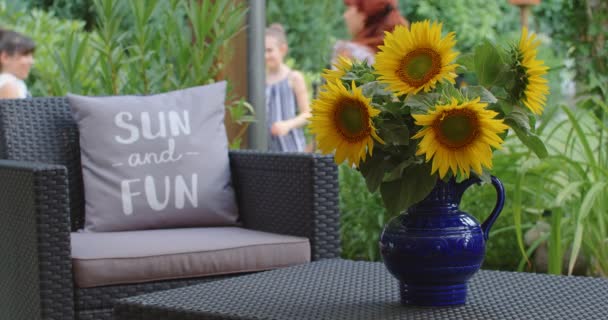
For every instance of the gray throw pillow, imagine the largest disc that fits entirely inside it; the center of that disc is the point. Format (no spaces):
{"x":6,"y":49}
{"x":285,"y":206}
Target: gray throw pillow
{"x":158,"y":161}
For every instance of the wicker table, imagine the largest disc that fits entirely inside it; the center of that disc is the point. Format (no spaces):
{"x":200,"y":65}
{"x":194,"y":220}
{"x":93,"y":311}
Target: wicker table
{"x":341,"y":289}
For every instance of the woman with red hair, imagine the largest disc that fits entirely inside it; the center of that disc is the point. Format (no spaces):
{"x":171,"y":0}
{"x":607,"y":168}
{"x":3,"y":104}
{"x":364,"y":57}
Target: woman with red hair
{"x":366,"y":21}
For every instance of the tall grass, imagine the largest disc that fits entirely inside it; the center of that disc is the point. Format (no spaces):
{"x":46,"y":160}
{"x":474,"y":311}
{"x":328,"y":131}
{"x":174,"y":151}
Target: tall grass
{"x":574,"y":183}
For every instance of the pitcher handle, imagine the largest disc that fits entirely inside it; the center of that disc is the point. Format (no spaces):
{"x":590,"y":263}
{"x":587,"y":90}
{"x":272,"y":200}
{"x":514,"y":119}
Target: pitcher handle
{"x":500,"y":202}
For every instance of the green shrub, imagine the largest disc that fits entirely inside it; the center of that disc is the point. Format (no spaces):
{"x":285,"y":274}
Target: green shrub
{"x":82,"y":10}
{"x":471,"y":20}
{"x":171,"y":45}
{"x":362,"y":217}
{"x":164,"y":50}
{"x":579,"y":28}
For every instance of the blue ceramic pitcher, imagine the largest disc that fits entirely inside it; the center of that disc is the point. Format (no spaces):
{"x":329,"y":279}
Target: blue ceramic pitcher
{"x":434,"y":248}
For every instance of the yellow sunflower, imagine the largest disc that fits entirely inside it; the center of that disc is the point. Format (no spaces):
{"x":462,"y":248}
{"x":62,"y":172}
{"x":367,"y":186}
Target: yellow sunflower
{"x":532,"y":89}
{"x":415,"y":59}
{"x":342,"y":65}
{"x":342,"y":121}
{"x":459,"y":137}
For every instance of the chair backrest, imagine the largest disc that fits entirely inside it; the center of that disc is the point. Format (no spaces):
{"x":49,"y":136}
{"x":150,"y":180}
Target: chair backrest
{"x":42,"y":130}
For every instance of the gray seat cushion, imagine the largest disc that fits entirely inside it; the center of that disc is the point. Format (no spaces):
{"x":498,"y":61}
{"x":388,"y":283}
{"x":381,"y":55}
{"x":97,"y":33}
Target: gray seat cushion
{"x":108,"y":258}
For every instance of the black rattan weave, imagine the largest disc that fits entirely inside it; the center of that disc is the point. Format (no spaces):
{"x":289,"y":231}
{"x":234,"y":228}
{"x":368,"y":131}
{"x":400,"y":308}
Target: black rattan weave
{"x":98,"y":314}
{"x":42,"y":130}
{"x":304,"y":188}
{"x":341,"y":289}
{"x":102,"y":297}
{"x":41,"y":200}
{"x":35,"y":268}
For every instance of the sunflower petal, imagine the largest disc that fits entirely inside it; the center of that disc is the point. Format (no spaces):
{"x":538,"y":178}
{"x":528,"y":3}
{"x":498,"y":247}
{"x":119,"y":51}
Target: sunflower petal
{"x":333,"y":133}
{"x":415,"y":59}
{"x":459,"y":155}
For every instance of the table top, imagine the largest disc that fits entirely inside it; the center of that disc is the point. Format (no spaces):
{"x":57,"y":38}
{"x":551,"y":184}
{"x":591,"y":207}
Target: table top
{"x":342,"y":289}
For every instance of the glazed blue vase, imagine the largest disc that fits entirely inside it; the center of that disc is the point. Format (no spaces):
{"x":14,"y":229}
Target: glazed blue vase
{"x":434,"y":248}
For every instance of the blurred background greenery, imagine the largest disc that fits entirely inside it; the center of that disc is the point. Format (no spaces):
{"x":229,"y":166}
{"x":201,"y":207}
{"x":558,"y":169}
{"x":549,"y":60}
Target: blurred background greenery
{"x":560,"y":203}
{"x":109,"y":47}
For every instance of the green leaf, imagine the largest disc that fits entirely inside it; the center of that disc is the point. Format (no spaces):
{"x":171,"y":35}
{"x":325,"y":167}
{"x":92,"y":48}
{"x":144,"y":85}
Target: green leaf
{"x":590,"y":156}
{"x":478,"y":91}
{"x":532,"y":141}
{"x":235,"y":144}
{"x":421,"y":102}
{"x":373,"y":169}
{"x":397,"y":172}
{"x":368,"y":77}
{"x":396,"y":109}
{"x":519,"y":121}
{"x":590,"y":198}
{"x":518,"y":118}
{"x":488,"y":63}
{"x":502,"y":107}
{"x":485,"y":176}
{"x":448,"y":90}
{"x":555,"y":243}
{"x":501,"y":94}
{"x":467,"y":61}
{"x":576,"y":246}
{"x":349,"y":76}
{"x":517,"y":216}
{"x":395,"y":133}
{"x":414,"y":186}
{"x":370,"y":89}
{"x":570,"y":190}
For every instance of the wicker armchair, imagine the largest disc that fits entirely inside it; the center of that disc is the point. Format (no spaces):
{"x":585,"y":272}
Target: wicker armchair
{"x":41,"y":202}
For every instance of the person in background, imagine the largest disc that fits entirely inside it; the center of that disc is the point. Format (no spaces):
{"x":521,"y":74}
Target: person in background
{"x":366,"y":21}
{"x":16,"y":60}
{"x":287,"y":105}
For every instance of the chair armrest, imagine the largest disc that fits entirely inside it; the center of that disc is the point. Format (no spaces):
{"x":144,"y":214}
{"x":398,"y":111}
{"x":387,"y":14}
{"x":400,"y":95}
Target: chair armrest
{"x":289,"y":193}
{"x":35,"y":269}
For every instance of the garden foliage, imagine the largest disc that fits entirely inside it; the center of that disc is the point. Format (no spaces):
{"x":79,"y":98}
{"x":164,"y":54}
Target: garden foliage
{"x":169,"y":45}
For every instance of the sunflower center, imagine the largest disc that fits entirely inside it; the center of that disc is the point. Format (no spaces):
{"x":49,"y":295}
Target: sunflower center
{"x":456,"y":128}
{"x":419,"y":66}
{"x":352,"y":120}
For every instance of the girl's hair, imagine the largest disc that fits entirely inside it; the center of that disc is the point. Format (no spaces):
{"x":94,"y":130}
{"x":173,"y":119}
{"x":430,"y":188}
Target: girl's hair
{"x":380,"y":16}
{"x":277,"y":31}
{"x":13,"y":42}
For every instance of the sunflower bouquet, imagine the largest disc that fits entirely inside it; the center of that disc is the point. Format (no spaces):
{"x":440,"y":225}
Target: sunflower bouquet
{"x":404,"y":124}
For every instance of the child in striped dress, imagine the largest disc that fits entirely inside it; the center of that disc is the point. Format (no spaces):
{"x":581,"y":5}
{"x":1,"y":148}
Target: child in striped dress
{"x":287,"y":105}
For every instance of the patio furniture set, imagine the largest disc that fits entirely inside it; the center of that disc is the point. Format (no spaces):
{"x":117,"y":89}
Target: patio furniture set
{"x":281,"y":197}
{"x":291,"y":196}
